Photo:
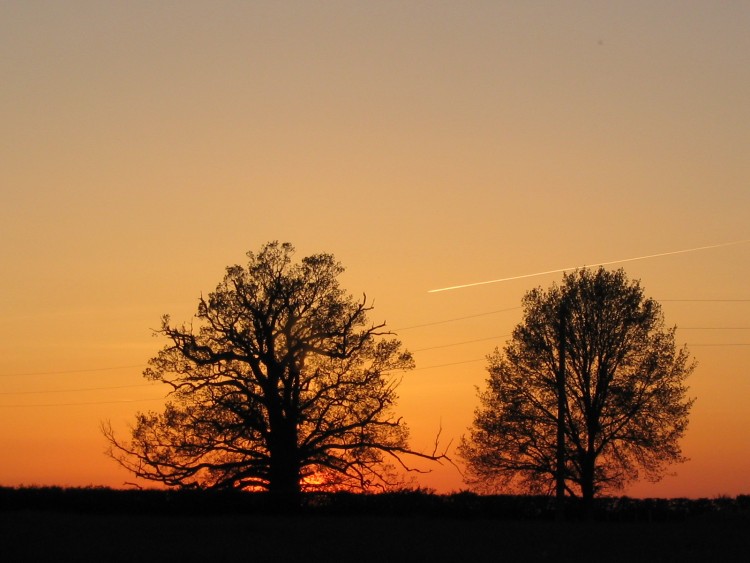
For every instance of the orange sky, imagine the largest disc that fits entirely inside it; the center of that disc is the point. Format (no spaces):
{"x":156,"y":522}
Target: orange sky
{"x":146,"y":146}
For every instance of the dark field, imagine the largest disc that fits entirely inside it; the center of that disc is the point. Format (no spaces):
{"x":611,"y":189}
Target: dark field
{"x":50,"y":536}
{"x":353,"y":533}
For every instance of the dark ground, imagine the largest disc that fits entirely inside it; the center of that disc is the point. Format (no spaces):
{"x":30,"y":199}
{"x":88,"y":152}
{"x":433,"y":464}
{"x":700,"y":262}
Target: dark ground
{"x":61,"y":525}
{"x":55,"y":536}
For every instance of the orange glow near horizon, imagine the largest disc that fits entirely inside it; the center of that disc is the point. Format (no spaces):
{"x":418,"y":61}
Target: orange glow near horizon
{"x":147,"y":147}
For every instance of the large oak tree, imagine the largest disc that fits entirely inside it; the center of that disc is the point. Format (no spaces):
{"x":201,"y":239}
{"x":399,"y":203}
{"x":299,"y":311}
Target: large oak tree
{"x":281,"y":383}
{"x":624,"y":406}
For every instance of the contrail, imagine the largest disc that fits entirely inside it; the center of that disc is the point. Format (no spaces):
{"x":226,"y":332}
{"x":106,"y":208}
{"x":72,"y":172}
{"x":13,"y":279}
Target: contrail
{"x":599,"y":264}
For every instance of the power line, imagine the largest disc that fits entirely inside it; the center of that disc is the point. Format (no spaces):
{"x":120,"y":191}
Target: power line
{"x":507,"y":335}
{"x":728,"y":344}
{"x":452,"y":364}
{"x":84,"y":404}
{"x":517,"y":308}
{"x":704,"y":300}
{"x":77,"y":390}
{"x":157,"y":399}
{"x":444,"y":321}
{"x":64,"y":372}
{"x":457,"y":319}
{"x":417,"y":350}
{"x":460,"y":343}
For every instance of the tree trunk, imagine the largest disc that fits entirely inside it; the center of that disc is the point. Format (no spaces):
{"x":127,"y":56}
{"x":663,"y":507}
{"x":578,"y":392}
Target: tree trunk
{"x":561,"y":405}
{"x":284,"y":470}
{"x":284,"y":476}
{"x":587,"y":484}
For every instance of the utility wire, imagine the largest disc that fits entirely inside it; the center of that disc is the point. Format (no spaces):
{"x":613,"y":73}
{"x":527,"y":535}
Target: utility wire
{"x":460,"y":343}
{"x":452,"y":364}
{"x":84,"y":404}
{"x":77,"y":390}
{"x":64,"y":372}
{"x":704,"y":300}
{"x":159,"y":399}
{"x":444,"y":321}
{"x":417,"y":350}
{"x":729,"y":344}
{"x":457,"y":319}
{"x":517,"y":308}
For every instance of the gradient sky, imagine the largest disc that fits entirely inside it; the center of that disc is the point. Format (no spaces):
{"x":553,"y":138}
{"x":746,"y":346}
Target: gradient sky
{"x":145,"y":146}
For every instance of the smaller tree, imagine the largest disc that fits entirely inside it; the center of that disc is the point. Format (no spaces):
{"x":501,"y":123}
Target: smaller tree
{"x":624,"y":406}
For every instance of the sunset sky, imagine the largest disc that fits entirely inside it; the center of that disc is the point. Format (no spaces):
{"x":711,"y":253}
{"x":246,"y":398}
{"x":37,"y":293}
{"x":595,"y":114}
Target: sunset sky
{"x":145,"y":146}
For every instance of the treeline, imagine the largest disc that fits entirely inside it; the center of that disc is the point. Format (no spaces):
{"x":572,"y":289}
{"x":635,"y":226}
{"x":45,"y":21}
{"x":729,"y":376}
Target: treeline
{"x":407,"y":502}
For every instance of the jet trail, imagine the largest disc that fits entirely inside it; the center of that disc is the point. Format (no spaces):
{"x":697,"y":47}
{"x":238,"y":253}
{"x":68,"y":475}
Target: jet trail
{"x":599,"y":264}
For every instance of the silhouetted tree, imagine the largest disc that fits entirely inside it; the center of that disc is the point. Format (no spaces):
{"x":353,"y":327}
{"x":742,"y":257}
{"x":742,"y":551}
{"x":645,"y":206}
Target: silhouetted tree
{"x":624,"y":406}
{"x":281,"y":385}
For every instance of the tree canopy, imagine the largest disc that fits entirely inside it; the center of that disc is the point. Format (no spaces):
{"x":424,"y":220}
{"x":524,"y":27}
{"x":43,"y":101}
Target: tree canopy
{"x":624,"y":406}
{"x":280,"y":384}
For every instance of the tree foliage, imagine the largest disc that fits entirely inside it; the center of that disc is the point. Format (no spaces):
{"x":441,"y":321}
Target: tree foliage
{"x":625,"y":404}
{"x":281,"y":384}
